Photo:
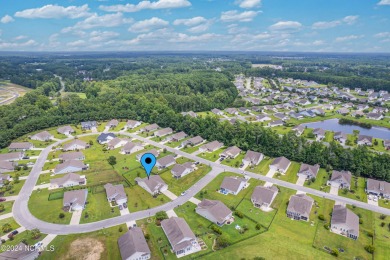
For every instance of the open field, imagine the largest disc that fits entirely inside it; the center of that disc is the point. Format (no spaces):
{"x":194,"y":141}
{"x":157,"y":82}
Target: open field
{"x":9,"y":92}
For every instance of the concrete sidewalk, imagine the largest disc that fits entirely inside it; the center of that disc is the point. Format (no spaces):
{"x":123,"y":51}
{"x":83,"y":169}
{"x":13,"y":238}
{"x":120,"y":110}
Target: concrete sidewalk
{"x":8,"y":215}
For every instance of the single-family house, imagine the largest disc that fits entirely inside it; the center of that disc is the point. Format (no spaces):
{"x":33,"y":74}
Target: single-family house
{"x":340,"y":136}
{"x":386,"y":144}
{"x":341,"y":179}
{"x":233,"y":185}
{"x":364,"y":140}
{"x":104,"y":138}
{"x":133,"y":245}
{"x":309,"y":171}
{"x":181,"y":170}
{"x":131,"y":124}
{"x":299,"y":129}
{"x":163,"y":132}
{"x":319,"y":133}
{"x":215,"y":211}
{"x":193,"y":141}
{"x":68,"y":180}
{"x":42,"y":136}
{"x":117,"y":143}
{"x":263,"y":118}
{"x":64,"y":157}
{"x":190,"y":113}
{"x":116,"y":193}
{"x":11,"y":157}
{"x":211,"y":147}
{"x":295,"y":115}
{"x":23,"y":146}
{"x":165,"y":162}
{"x":281,"y":116}
{"x":343,"y":111}
{"x":131,"y":147}
{"x":75,"y":145}
{"x":374,"y":116}
{"x":65,"y":130}
{"x":150,"y":128}
{"x":75,"y":199}
{"x":88,"y":125}
{"x":183,"y":241}
{"x":4,"y":178}
{"x":178,"y":136}
{"x":344,"y":222}
{"x":378,"y":188}
{"x":154,"y":184}
{"x":153,"y":151}
{"x":280,"y":164}
{"x":113,"y":123}
{"x":6,"y":166}
{"x":264,"y":196}
{"x":217,"y":111}
{"x":299,"y":207}
{"x":231,"y":152}
{"x":252,"y":158}
{"x":232,"y":111}
{"x":70,"y":166}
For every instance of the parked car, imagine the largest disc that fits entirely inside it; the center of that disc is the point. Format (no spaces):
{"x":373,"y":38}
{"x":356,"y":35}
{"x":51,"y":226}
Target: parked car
{"x":183,"y":193}
{"x":39,"y":244}
{"x":241,"y":165}
{"x":125,"y":205}
{"x":26,"y":158}
{"x":120,"y":207}
{"x":196,"y":163}
{"x":2,"y":199}
{"x":15,"y":232}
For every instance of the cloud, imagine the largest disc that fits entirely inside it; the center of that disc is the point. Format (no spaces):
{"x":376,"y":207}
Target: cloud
{"x":382,"y":35}
{"x":20,"y":37}
{"x":235,"y":16}
{"x":248,"y":3}
{"x":286,"y":26}
{"x":160,"y":4}
{"x":55,"y":12}
{"x":182,"y":37}
{"x":348,"y":38}
{"x":17,"y":45}
{"x":149,"y":24}
{"x":77,"y":43}
{"x":318,"y":43}
{"x":191,"y":21}
{"x":108,"y":20}
{"x":199,"y":28}
{"x":7,"y":19}
{"x":349,"y":20}
{"x":98,"y":36}
{"x":384,"y":2}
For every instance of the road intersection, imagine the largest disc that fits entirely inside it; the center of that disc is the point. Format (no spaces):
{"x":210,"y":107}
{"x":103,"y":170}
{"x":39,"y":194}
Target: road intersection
{"x":24,"y":217}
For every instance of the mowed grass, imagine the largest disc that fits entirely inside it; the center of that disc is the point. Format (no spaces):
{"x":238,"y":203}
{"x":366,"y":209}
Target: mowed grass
{"x":352,"y":248}
{"x":46,"y":210}
{"x":23,"y":236}
{"x":107,"y":236}
{"x":262,"y":168}
{"x":7,"y":207}
{"x":177,"y":186}
{"x":213,"y":156}
{"x":357,"y":191}
{"x":98,"y":208}
{"x":291,"y":174}
{"x":190,"y":149}
{"x":320,"y":181}
{"x":16,"y":187}
{"x":382,"y":237}
{"x":11,"y":221}
{"x":139,"y":199}
{"x":285,"y":239}
{"x":236,"y":162}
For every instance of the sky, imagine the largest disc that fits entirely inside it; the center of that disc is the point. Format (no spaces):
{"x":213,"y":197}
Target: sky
{"x":185,"y":25}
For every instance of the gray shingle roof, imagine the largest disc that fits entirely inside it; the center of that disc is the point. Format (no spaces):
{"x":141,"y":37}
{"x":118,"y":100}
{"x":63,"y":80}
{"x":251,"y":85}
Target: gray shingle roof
{"x":263,"y":194}
{"x":300,"y":203}
{"x":232,"y":183}
{"x":178,"y":233}
{"x":342,"y":215}
{"x":216,"y":208}
{"x":132,"y":242}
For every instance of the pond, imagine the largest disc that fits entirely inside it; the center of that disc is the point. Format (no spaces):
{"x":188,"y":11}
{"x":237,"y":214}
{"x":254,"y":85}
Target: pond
{"x":333,"y":125}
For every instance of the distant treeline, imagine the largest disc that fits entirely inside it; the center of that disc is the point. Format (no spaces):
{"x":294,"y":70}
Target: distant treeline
{"x":345,"y":121}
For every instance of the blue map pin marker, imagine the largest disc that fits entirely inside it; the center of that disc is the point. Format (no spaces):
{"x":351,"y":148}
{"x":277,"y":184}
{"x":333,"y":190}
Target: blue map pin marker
{"x":148,"y":161}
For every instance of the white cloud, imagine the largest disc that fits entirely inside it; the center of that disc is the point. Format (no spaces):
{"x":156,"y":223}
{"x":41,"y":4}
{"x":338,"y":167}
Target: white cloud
{"x":191,"y":21}
{"x":285,"y":25}
{"x":20,"y":37}
{"x":182,"y":37}
{"x":382,"y":35}
{"x":318,"y":43}
{"x":55,"y":11}
{"x":235,"y":16}
{"x":108,"y":20}
{"x":348,"y":38}
{"x":98,"y":36}
{"x":17,"y":45}
{"x":199,"y":28}
{"x":248,"y":3}
{"x":349,"y":20}
{"x":7,"y":19}
{"x":77,"y":43}
{"x":160,"y":4}
{"x":384,"y":2}
{"x":148,"y":24}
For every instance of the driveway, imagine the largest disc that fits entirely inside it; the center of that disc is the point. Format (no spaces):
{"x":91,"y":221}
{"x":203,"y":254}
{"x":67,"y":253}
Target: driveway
{"x":169,"y":194}
{"x":171,"y":213}
{"x":47,"y":240}
{"x":8,"y":215}
{"x":334,"y":190}
{"x":270,"y":174}
{"x":195,"y":201}
{"x":76,"y":216}
{"x":300,"y":182}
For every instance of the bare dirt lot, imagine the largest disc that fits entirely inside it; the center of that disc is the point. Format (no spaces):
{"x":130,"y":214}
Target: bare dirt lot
{"x":85,"y":249}
{"x":9,"y":92}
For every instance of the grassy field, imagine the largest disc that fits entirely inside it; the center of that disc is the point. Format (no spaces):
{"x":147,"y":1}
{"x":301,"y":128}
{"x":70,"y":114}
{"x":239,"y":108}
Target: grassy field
{"x":382,"y":237}
{"x":100,"y":244}
{"x":139,"y":199}
{"x":213,"y":156}
{"x":191,"y":149}
{"x":236,"y":162}
{"x":177,"y":186}
{"x":79,"y":94}
{"x":263,"y":166}
{"x":98,"y":208}
{"x":384,"y":203}
{"x":11,"y":222}
{"x":320,"y":181}
{"x":7,"y":207}
{"x":39,"y":200}
{"x":357,"y":192}
{"x":291,"y":174}
{"x":15,"y":188}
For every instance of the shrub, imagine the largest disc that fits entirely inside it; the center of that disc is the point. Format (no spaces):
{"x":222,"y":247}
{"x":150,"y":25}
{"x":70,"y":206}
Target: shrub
{"x":335,"y":252}
{"x":216,"y":229}
{"x":326,"y":226}
{"x":370,"y":234}
{"x":239,"y":214}
{"x":258,"y":226}
{"x":120,"y":229}
{"x":321,"y":217}
{"x":382,"y":216}
{"x":370,"y":249}
{"x":61,"y":215}
{"x":161,"y":215}
{"x":360,"y":221}
{"x":222,"y":241}
{"x":383,"y":224}
{"x":147,"y":236}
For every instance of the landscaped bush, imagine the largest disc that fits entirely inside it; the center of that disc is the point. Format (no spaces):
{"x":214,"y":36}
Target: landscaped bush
{"x":326,"y":226}
{"x":370,"y":249}
{"x":258,"y":226}
{"x":222,"y":241}
{"x":321,"y":217}
{"x":335,"y":252}
{"x":239,"y":214}
{"x":161,"y":215}
{"x":61,"y":215}
{"x":370,"y":234}
{"x":216,"y":229}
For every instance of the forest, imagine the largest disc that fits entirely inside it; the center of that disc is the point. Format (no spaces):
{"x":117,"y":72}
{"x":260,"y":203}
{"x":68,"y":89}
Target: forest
{"x":158,"y":95}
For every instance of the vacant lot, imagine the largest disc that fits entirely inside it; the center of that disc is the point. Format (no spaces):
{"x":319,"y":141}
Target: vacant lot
{"x":9,"y":92}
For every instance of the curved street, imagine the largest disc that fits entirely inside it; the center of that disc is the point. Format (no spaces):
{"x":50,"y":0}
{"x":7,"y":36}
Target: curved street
{"x":24,"y":217}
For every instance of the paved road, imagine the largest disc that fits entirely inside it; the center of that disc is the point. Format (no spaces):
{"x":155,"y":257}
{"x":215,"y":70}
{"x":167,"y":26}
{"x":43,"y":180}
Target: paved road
{"x":23,"y":216}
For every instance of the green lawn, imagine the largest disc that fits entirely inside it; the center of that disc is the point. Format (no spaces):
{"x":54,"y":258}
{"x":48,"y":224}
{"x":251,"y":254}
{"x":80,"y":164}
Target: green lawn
{"x":176,"y":144}
{"x":177,"y":186}
{"x":263,"y":166}
{"x":191,"y":149}
{"x":213,"y":156}
{"x":7,"y":207}
{"x":64,"y":249}
{"x":98,"y":208}
{"x":382,"y":237}
{"x":24,"y":236}
{"x":30,"y":153}
{"x":236,"y":162}
{"x":291,"y":174}
{"x":139,"y":199}
{"x":10,"y":221}
{"x":384,"y":203}
{"x":357,"y":191}
{"x":50,"y":165}
{"x":329,"y":136}
{"x":52,"y":209}
{"x":14,"y":188}
{"x":320,"y":181}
